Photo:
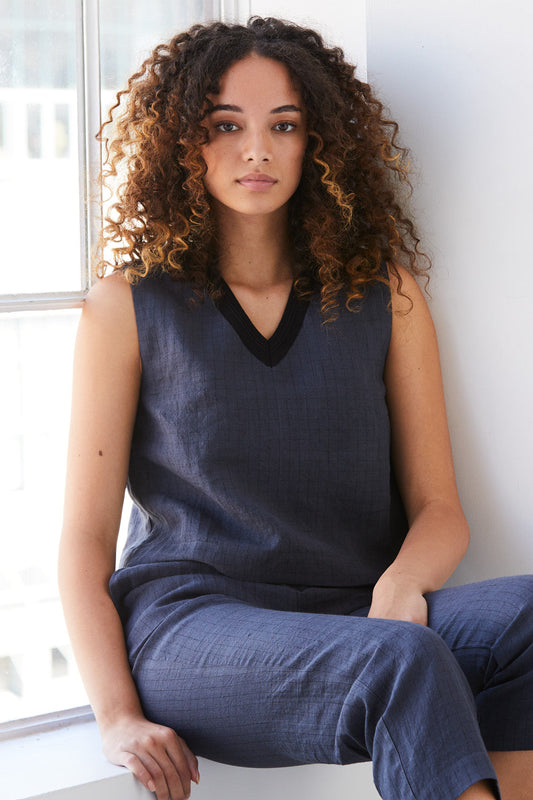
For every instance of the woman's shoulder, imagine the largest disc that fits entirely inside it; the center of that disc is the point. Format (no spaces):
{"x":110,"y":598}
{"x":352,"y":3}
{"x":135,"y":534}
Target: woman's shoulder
{"x":108,"y":316}
{"x":118,"y":299}
{"x":111,"y":291}
{"x":406,"y":294}
{"x":413,"y":331}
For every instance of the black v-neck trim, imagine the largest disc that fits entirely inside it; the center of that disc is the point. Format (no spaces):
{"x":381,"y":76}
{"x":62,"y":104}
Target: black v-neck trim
{"x":270,"y":351}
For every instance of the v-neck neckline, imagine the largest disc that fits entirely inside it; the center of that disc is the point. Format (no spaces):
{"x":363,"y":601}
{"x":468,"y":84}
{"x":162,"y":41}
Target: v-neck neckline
{"x":272,"y":350}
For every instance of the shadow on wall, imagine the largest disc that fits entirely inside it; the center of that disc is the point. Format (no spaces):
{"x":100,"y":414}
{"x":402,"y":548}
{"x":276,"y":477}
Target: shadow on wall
{"x":494,"y":550}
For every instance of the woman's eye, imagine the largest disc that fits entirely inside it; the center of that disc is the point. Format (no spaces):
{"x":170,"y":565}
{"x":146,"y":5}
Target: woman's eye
{"x":226,"y":127}
{"x":284,"y":127}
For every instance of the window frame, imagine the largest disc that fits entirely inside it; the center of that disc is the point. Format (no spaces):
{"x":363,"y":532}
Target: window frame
{"x":89,"y":157}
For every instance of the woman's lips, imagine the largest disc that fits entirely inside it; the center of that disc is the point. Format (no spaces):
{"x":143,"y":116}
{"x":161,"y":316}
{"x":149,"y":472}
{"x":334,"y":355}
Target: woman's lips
{"x":257,"y":182}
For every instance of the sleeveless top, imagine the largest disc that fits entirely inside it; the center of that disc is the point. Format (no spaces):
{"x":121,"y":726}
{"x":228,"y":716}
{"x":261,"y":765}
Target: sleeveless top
{"x":264,"y":460}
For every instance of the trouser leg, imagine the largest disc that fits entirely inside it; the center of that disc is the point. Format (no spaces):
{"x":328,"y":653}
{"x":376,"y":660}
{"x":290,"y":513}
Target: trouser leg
{"x":488,"y":626}
{"x":257,"y":687}
{"x":421,"y":722}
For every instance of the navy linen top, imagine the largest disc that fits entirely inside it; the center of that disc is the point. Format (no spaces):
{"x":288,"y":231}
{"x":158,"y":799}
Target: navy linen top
{"x":264,"y":460}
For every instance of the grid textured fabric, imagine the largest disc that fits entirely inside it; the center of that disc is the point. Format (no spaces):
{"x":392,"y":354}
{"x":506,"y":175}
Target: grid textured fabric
{"x":277,"y":474}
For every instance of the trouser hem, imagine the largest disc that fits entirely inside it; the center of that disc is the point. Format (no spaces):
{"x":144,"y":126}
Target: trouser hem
{"x":460,"y":776}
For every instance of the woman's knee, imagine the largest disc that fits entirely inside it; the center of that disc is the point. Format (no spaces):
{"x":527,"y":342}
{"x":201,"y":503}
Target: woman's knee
{"x":478,"y":615}
{"x":515,"y":612}
{"x":508,"y":608}
{"x":518,"y":592}
{"x":407,"y":688}
{"x":407,"y":655}
{"x":488,"y":626}
{"x":416,"y":642}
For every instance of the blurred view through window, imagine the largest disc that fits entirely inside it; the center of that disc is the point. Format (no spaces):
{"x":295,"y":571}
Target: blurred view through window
{"x":41,"y":209}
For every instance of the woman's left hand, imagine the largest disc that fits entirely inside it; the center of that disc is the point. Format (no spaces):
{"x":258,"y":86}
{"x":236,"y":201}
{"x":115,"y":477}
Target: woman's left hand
{"x":398,"y":598}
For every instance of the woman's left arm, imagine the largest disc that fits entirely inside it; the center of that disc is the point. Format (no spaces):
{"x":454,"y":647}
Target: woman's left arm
{"x":438,"y":533}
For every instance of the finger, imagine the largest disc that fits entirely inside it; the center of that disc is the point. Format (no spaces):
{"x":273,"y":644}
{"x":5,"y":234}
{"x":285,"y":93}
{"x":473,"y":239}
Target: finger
{"x":185,"y":762}
{"x":178,"y":780}
{"x":137,"y":767}
{"x":192,"y":761}
{"x":158,"y":778}
{"x":173,"y":778}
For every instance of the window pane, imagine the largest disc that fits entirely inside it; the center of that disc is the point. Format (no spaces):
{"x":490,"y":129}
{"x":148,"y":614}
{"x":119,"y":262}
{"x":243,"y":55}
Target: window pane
{"x":130,"y":29}
{"x":39,"y":192}
{"x":37,"y":673}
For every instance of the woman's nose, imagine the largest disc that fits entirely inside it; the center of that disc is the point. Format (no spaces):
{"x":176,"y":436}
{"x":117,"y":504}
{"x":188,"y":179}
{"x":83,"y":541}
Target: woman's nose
{"x":257,"y":146}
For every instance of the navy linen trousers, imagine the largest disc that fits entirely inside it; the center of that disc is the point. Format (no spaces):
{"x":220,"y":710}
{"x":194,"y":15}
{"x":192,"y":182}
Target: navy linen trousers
{"x":267,"y":675}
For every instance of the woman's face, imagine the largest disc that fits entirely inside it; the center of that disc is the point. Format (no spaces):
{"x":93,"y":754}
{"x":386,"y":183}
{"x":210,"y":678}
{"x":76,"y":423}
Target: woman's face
{"x":257,"y":138}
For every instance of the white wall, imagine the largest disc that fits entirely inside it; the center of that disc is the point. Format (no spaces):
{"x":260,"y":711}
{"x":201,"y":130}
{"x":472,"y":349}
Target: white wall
{"x":458,"y":77}
{"x":341,"y":22}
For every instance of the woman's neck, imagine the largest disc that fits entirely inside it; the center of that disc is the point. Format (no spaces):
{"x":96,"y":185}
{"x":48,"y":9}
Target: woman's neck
{"x":254,"y":250}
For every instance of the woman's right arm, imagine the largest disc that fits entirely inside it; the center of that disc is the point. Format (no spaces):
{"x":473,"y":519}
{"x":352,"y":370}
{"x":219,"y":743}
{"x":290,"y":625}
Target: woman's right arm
{"x":107,"y":373}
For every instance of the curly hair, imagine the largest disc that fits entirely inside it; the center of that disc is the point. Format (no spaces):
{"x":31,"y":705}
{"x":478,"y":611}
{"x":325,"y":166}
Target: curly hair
{"x":347,"y":217}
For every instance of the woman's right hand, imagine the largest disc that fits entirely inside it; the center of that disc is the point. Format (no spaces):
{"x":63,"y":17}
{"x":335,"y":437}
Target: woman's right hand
{"x":155,"y":754}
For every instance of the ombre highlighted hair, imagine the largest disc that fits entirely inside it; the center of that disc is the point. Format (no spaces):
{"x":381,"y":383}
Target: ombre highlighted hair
{"x":347,"y":217}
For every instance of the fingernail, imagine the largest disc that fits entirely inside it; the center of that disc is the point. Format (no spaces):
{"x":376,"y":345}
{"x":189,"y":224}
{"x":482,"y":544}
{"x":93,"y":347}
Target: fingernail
{"x":151,"y":786}
{"x":197,"y":778}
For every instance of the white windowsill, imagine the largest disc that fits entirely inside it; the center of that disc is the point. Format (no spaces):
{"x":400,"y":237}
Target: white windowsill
{"x":63,"y":763}
{"x":67,"y":763}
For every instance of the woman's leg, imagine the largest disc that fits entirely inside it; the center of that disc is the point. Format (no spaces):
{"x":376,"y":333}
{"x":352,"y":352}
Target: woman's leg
{"x":489,"y":628}
{"x":257,"y":687}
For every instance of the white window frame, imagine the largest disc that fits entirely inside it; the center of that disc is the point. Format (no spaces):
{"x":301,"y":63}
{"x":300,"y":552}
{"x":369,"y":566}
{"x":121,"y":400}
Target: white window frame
{"x":89,"y":155}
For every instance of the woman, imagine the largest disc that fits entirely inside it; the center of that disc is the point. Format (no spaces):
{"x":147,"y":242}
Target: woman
{"x":262,"y":370}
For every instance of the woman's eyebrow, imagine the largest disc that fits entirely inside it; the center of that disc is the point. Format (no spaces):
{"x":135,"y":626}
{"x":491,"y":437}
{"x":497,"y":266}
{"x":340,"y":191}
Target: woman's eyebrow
{"x":284,"y":109}
{"x":238,"y":110}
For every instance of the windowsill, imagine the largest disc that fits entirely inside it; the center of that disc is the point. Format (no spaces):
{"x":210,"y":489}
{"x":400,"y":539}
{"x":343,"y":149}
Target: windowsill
{"x":65,"y":762}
